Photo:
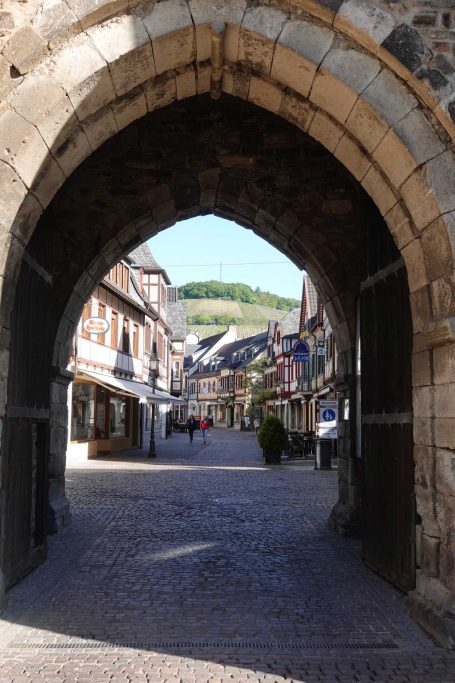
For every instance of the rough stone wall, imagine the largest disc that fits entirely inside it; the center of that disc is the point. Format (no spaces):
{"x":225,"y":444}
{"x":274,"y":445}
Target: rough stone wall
{"x":350,"y":74}
{"x":420,"y":34}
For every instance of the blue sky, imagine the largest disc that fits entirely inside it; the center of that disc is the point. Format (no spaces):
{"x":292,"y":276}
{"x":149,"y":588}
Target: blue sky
{"x":211,"y":240}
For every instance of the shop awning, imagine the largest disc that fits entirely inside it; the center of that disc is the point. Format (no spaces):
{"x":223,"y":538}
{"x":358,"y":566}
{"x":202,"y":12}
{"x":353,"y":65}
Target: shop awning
{"x":128,"y":387}
{"x":168,"y":397}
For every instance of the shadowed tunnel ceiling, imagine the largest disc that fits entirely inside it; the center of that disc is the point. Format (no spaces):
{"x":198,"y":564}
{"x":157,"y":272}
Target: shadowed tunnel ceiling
{"x":226,"y":157}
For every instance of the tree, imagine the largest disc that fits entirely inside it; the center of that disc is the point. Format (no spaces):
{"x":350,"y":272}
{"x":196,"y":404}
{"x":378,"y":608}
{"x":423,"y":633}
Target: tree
{"x":236,"y":291}
{"x":254,"y":384}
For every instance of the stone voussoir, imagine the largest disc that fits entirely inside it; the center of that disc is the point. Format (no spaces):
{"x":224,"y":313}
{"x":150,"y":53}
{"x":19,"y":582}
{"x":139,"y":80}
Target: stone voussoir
{"x":125,"y":45}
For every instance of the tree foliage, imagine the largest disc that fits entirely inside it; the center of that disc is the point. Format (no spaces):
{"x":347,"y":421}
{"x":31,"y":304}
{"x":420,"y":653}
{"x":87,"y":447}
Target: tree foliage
{"x":201,"y":319}
{"x":272,"y":435}
{"x":236,"y":291}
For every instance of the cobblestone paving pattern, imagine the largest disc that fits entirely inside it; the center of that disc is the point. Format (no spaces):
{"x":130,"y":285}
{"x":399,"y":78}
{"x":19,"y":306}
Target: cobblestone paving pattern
{"x":206,"y":566}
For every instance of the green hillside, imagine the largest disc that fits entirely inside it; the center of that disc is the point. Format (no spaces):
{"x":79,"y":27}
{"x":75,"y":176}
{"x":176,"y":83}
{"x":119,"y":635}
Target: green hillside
{"x":236,"y":292}
{"x":210,"y":316}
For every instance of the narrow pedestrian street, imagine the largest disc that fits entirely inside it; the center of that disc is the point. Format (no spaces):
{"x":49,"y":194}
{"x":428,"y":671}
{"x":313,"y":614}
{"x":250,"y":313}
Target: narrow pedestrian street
{"x":205,"y":565}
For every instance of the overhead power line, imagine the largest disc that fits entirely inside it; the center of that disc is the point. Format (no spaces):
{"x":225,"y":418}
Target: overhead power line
{"x":239,"y":263}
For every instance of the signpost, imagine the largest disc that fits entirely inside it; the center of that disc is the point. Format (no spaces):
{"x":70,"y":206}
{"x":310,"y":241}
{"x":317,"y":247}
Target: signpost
{"x":328,"y":415}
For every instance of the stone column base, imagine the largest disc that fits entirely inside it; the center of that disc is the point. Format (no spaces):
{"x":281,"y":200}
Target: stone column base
{"x":345,"y":521}
{"x":439,"y":623}
{"x":2,"y":592}
{"x":59,"y":514}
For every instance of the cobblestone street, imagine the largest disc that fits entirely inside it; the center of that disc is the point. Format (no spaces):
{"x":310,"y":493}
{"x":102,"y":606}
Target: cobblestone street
{"x":205,"y":565}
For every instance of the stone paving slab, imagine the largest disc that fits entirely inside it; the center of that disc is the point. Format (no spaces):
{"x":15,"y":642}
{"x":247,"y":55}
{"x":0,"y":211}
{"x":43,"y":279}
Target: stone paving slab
{"x":205,"y":565}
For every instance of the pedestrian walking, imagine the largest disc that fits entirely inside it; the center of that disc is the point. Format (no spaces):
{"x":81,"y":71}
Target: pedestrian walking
{"x":204,"y":427}
{"x":256,"y":424}
{"x":191,"y":425}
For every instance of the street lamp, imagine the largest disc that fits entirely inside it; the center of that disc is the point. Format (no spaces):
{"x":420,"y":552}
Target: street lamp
{"x":153,"y":367}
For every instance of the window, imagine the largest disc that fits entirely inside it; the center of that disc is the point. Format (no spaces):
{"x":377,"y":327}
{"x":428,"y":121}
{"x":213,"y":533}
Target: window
{"x":160,"y":345}
{"x":126,"y":336}
{"x":147,"y":338}
{"x":136,"y":340}
{"x":114,"y":330}
{"x":101,"y":338}
{"x":100,"y":422}
{"x":86,"y":313}
{"x":125,"y":276}
{"x":118,"y":415}
{"x":83,"y":412}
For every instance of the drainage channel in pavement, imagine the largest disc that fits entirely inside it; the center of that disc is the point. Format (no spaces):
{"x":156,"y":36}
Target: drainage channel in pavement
{"x":208,"y":645}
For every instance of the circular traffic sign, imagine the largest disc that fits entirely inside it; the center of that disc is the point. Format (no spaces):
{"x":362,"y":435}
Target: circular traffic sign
{"x":328,"y":415}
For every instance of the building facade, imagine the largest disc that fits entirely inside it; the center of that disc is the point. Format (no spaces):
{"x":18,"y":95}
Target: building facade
{"x":121,"y":362}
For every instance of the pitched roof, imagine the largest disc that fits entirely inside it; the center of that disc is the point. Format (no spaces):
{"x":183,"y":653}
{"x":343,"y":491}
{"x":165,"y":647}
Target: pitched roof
{"x":225,"y":353}
{"x":176,"y":319}
{"x":290,"y":323}
{"x":311,"y":299}
{"x":142,"y":256}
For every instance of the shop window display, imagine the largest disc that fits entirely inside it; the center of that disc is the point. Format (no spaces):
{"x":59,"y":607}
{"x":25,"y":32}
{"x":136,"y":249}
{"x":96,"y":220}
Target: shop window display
{"x":83,"y":415}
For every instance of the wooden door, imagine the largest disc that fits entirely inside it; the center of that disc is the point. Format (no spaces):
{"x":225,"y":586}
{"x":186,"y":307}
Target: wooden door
{"x":388,"y":505}
{"x":25,"y":445}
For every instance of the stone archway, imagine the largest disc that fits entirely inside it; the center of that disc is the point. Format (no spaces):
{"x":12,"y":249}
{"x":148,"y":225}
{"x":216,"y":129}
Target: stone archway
{"x":335,"y":75}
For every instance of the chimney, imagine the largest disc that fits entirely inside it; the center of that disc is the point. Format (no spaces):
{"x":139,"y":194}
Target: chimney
{"x":232,"y":327}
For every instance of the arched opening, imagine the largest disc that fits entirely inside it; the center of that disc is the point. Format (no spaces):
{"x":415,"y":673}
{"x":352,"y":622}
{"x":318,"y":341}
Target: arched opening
{"x":240,"y":162}
{"x":399,"y":154}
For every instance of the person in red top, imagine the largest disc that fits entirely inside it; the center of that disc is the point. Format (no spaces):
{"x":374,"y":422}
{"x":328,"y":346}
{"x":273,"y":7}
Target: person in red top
{"x":204,"y":427}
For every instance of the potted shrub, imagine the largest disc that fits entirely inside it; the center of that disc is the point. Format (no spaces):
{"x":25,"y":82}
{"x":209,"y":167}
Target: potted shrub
{"x":272,"y":438}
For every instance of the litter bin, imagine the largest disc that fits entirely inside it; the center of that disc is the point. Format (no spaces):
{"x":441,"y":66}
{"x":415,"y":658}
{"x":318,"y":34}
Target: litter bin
{"x":245,"y":424}
{"x":323,"y":454}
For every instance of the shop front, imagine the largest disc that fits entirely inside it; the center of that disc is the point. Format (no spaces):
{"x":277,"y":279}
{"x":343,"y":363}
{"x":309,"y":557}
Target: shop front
{"x":101,"y":420}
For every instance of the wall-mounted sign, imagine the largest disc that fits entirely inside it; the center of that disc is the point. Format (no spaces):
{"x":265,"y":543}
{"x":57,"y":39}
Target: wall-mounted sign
{"x":321,"y":347}
{"x":301,"y":352}
{"x":328,"y":415}
{"x":96,"y":325}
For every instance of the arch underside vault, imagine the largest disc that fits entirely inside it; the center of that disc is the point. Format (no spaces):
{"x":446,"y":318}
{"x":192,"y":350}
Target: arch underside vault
{"x":114,"y":87}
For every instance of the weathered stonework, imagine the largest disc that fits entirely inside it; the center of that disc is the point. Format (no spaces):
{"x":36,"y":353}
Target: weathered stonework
{"x":373,"y":82}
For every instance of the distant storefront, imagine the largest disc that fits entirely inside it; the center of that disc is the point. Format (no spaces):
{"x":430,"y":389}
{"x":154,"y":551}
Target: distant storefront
{"x":101,"y":419}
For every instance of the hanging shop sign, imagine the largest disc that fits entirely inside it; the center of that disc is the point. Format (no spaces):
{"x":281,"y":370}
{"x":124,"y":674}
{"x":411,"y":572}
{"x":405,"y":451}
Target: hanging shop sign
{"x":96,"y":325}
{"x":321,"y":347}
{"x":301,"y":352}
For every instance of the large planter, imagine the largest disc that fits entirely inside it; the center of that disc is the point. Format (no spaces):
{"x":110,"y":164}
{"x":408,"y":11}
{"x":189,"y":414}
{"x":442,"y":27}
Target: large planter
{"x":271,"y":457}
